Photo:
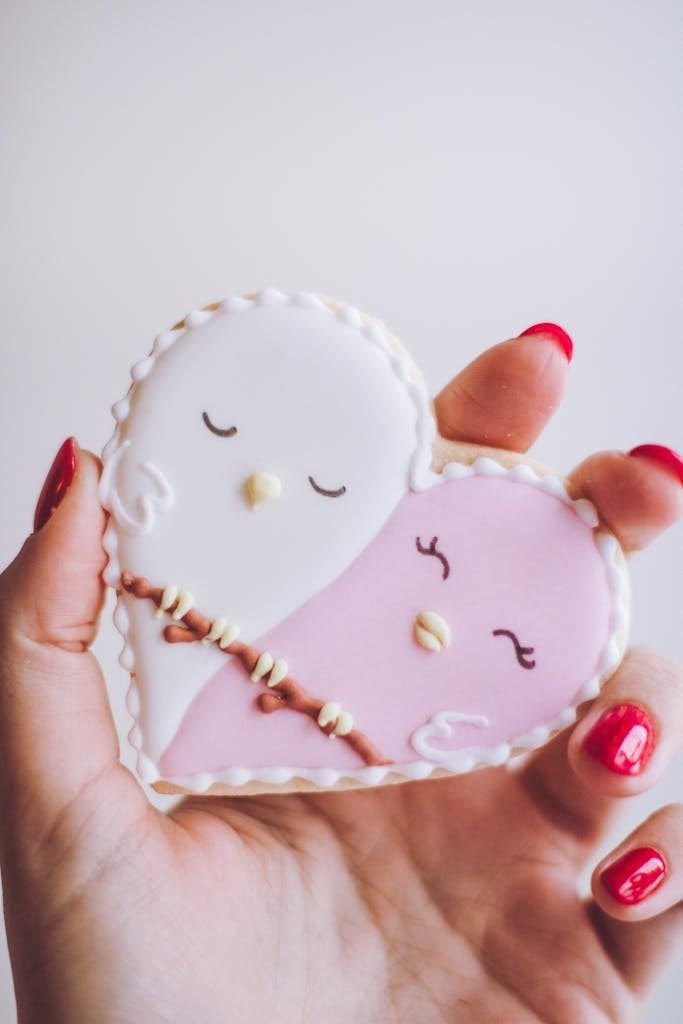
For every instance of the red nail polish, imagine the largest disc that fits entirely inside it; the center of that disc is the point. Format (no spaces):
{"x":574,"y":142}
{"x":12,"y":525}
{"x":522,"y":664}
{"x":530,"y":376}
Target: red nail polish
{"x":57,"y":483}
{"x":635,"y":875}
{"x":667,"y":456}
{"x":622,"y":739}
{"x":557,"y":333}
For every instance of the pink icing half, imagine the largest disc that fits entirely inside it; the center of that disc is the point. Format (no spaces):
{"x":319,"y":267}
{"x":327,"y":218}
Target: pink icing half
{"x":519,"y":559}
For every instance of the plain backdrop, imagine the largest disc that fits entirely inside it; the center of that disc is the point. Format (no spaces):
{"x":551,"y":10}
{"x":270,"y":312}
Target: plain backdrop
{"x":460,"y":169}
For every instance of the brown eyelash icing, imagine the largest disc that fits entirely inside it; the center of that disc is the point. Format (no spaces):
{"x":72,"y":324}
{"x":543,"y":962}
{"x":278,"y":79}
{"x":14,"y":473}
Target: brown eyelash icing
{"x":434,"y":551}
{"x":328,"y":494}
{"x":520,"y":652}
{"x":227,"y":432}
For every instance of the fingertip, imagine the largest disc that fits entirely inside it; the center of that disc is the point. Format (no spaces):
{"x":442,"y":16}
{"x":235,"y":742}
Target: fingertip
{"x":505,"y":397}
{"x":77,"y":517}
{"x":556,"y":333}
{"x":622,"y":884}
{"x":612,"y":749}
{"x":90,"y":465}
{"x":666,"y":458}
{"x":641,"y":878}
{"x":71,"y":463}
{"x":636,"y":496}
{"x":57,"y":482}
{"x":629,"y":735}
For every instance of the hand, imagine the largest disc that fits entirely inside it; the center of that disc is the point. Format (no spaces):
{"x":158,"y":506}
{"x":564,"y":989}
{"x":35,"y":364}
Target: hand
{"x":451,"y":900}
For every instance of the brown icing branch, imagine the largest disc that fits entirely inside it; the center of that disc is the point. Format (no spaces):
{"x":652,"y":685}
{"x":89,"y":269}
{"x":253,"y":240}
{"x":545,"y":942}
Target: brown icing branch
{"x":285,"y":694}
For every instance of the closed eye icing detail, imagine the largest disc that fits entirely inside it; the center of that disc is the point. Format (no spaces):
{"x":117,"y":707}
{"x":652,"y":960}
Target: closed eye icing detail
{"x":327,"y":494}
{"x":219,"y":431}
{"x":520,"y":652}
{"x":434,"y":551}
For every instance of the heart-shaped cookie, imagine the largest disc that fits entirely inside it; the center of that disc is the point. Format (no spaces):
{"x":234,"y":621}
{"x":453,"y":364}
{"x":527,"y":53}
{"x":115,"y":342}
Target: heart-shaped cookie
{"x":301,"y":560}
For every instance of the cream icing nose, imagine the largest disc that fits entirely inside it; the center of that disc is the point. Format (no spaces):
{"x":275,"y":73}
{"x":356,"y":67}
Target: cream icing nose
{"x":432,"y":631}
{"x":262,"y":488}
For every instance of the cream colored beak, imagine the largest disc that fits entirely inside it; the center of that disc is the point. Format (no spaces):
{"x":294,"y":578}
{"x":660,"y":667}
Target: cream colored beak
{"x":262,"y":488}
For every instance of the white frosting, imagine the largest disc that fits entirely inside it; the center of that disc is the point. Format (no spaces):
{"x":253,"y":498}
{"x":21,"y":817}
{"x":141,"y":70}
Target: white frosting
{"x":149,"y":503}
{"x":222,"y":631}
{"x":278,"y":672}
{"x":168,"y":598}
{"x":181,"y":669}
{"x":185,"y":604}
{"x":439,"y":727}
{"x":332,"y":712}
{"x":263,"y":666}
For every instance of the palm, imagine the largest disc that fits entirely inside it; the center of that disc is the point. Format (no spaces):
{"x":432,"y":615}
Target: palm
{"x":450,"y":901}
{"x":443,"y":901}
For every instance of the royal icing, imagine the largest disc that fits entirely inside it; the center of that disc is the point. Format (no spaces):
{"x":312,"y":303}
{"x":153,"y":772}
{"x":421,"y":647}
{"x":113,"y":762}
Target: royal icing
{"x":432,"y":631}
{"x":282,"y":542}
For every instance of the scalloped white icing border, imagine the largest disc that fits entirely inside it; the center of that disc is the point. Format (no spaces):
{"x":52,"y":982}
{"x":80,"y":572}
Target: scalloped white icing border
{"x":421,"y":478}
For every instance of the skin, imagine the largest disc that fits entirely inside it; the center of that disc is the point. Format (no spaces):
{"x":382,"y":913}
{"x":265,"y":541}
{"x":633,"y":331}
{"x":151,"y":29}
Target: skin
{"x":442,"y":901}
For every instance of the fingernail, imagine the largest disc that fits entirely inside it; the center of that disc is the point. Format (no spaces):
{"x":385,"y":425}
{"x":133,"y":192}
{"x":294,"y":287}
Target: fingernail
{"x":556,"y":333}
{"x":57,"y":483}
{"x":635,"y":875}
{"x":667,"y":456}
{"x":622,"y":739}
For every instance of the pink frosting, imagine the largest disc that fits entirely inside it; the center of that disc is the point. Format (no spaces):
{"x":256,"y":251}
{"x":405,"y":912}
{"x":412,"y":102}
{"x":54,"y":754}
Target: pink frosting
{"x":519,"y":559}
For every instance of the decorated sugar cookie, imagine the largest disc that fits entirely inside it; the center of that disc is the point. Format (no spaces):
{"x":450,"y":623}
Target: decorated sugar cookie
{"x":315,"y":590}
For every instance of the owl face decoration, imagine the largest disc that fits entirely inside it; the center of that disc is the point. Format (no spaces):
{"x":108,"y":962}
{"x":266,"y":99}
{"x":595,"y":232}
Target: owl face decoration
{"x":271,"y":478}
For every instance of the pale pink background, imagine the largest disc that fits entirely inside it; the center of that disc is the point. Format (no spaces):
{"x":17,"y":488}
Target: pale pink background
{"x":463,"y":169}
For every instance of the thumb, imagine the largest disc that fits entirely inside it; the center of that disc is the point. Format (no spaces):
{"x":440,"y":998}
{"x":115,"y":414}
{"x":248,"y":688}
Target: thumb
{"x":57,"y":734}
